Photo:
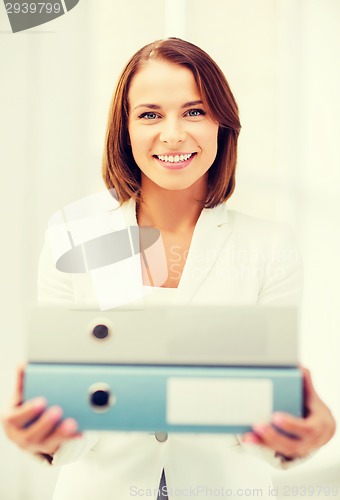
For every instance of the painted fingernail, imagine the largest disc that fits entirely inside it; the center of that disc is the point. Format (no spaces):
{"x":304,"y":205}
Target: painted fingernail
{"x":39,"y":403}
{"x":70,"y":426}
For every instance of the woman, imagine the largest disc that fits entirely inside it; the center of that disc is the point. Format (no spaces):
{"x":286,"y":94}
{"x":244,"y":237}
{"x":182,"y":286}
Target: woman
{"x":171,"y":157}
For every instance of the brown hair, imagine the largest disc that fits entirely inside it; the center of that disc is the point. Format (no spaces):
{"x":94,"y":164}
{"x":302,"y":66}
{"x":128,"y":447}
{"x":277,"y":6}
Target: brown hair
{"x":120,"y":170}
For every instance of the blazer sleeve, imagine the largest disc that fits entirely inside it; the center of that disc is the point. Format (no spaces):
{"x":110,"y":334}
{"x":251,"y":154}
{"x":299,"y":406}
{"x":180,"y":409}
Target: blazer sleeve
{"x":56,"y":287}
{"x":282,"y":278}
{"x":281,"y":285}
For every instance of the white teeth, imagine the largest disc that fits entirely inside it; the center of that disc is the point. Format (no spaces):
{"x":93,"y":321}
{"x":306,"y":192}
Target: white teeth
{"x":174,"y":159}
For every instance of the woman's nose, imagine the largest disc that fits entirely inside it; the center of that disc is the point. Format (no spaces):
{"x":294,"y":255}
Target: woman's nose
{"x":172,"y":132}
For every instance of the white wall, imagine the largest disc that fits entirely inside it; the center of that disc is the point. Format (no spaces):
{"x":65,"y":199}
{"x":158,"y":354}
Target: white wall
{"x":281,"y":60}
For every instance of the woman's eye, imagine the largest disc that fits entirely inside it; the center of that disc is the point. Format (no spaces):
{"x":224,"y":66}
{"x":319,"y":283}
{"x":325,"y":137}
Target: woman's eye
{"x":195,"y":112}
{"x":148,"y":116}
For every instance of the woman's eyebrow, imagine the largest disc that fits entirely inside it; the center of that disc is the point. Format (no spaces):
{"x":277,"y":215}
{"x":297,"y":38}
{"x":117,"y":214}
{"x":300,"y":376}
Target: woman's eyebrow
{"x":155,"y":106}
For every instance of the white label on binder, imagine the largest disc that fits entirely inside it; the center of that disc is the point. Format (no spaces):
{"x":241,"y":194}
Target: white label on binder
{"x":206,"y":401}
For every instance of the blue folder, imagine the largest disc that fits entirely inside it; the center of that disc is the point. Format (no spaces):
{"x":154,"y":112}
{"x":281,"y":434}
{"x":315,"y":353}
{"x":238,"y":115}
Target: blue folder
{"x":211,"y":399}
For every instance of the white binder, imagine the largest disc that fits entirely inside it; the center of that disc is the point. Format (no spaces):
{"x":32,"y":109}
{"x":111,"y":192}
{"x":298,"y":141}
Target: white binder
{"x":188,"y":335}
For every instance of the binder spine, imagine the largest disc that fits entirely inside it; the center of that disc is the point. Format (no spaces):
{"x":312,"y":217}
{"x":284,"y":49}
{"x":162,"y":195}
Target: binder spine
{"x":167,"y":398}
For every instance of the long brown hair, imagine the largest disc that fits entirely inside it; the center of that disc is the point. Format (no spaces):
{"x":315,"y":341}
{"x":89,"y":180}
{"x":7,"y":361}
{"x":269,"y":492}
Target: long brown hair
{"x":120,"y":170}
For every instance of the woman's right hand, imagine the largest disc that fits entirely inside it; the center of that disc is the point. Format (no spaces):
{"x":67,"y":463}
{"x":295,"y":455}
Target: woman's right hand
{"x":46,"y":433}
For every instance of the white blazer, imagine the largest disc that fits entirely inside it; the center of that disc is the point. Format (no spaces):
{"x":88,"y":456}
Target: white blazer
{"x":233,"y":259}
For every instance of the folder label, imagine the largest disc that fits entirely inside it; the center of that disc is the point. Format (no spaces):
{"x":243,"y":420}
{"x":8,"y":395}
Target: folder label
{"x":206,"y":401}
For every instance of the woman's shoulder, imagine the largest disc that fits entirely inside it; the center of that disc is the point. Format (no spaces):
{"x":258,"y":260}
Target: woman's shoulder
{"x":241,"y":221}
{"x":259,"y":231}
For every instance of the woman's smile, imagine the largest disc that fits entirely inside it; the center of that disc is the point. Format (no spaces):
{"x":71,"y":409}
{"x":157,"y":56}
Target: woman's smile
{"x":175,"y":161}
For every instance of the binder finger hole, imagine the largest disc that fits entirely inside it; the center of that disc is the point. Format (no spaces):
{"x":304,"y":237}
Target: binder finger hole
{"x":100,"y":329}
{"x":101,"y":397}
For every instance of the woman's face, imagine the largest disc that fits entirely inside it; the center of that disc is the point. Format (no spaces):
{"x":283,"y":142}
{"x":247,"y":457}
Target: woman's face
{"x":173,"y":137}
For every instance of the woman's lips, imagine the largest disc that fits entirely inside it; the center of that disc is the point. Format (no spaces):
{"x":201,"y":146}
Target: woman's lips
{"x":175,"y":165}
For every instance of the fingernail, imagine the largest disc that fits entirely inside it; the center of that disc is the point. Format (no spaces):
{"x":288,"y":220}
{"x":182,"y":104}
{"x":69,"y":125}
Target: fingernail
{"x":250,"y":438}
{"x":55,"y":413}
{"x":70,"y":426}
{"x":39,"y":403}
{"x":278,"y":418}
{"x":260,"y":428}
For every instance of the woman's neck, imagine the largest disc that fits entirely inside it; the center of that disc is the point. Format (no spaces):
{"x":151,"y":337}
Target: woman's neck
{"x":170,"y":211}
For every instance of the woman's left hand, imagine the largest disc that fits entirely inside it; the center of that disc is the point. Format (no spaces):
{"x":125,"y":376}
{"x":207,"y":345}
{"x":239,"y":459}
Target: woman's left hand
{"x":311,"y":432}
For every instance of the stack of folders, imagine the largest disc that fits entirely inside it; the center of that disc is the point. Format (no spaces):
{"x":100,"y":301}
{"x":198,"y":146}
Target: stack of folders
{"x":178,"y":368}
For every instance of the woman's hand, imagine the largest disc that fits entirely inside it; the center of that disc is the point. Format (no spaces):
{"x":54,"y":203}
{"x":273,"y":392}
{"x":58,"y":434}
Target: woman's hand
{"x":311,"y":432}
{"x":46,"y":433}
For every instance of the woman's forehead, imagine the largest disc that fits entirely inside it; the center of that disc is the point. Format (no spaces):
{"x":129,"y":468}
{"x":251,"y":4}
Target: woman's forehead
{"x":163,"y":81}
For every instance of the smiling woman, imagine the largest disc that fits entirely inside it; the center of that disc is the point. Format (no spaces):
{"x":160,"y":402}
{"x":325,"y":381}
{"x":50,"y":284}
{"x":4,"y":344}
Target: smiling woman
{"x":170,"y":155}
{"x":171,"y":100}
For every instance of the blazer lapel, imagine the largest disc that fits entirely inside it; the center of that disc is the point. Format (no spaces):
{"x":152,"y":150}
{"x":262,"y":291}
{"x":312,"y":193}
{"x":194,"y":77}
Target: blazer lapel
{"x":211,"y":232}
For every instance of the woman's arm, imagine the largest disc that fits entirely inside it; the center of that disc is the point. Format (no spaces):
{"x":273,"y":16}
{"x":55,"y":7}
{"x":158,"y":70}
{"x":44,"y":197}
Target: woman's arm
{"x":282,"y":285}
{"x":311,"y":432}
{"x":48,"y":436}
{"x":34,"y":427}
